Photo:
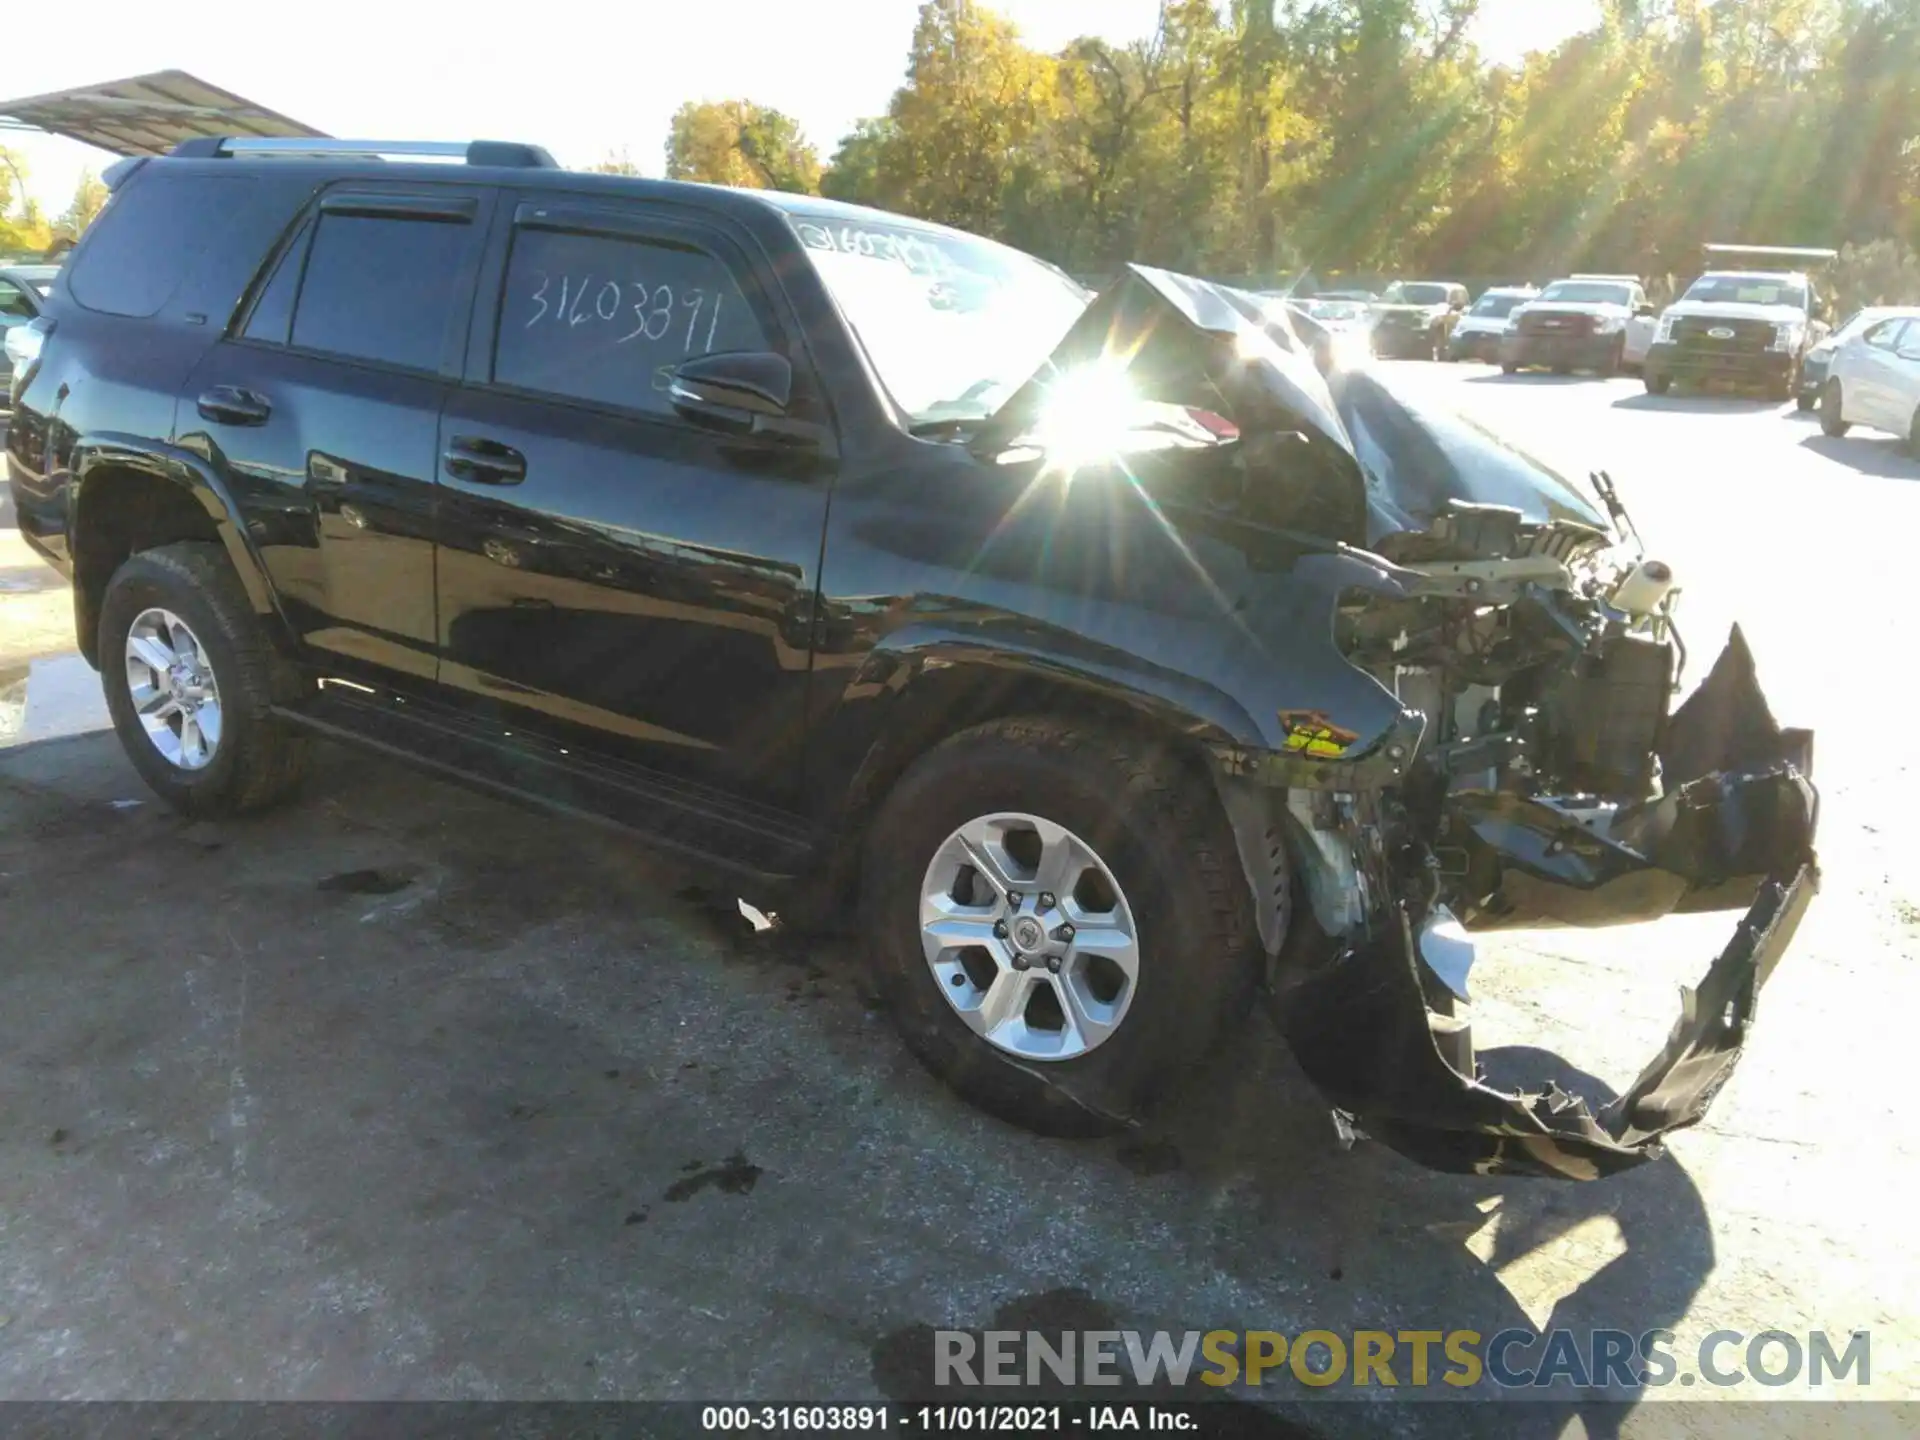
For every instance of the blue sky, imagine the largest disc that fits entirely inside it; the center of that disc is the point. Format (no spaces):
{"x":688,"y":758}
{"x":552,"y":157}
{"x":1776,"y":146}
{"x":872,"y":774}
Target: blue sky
{"x":580,"y":77}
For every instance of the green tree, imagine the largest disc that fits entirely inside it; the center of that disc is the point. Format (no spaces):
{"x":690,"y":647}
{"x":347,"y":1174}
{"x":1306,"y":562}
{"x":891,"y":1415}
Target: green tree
{"x":89,"y":197}
{"x":736,"y":142}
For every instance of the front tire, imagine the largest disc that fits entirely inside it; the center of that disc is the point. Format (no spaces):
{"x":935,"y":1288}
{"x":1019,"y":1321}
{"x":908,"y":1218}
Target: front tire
{"x":1658,"y":384}
{"x":190,"y":682}
{"x":1805,"y":402}
{"x":988,"y":867}
{"x":1832,"y":411}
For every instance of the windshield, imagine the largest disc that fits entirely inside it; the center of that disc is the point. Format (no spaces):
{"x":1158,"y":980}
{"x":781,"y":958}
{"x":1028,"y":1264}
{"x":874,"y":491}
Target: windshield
{"x":1588,"y":292}
{"x":1416,"y":293}
{"x":1748,"y":290}
{"x":953,"y":324}
{"x":1336,"y":310}
{"x":1497,"y":306}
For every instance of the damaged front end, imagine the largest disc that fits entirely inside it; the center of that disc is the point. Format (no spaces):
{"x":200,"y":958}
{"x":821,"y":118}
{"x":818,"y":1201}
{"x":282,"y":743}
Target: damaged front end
{"x":1569,"y":802}
{"x":1492,"y":746}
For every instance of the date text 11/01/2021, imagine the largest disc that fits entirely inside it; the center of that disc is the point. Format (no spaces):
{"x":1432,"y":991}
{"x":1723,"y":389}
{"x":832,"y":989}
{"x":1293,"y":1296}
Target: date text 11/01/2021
{"x":1043,"y":1419}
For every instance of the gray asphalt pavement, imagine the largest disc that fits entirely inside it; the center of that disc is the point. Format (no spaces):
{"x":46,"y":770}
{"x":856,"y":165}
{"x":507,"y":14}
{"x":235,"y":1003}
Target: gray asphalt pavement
{"x":402,"y":1093}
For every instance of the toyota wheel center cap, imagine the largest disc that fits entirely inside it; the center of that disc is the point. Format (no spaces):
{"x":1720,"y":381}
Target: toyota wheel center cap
{"x":1028,"y":934}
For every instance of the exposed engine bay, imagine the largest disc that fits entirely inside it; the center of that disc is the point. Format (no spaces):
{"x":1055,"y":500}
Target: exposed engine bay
{"x":1485,"y":740}
{"x":1550,"y":786}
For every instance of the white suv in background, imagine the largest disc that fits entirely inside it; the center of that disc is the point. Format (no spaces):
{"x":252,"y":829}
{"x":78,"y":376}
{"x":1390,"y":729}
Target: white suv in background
{"x":1476,"y":335}
{"x":1874,"y":380}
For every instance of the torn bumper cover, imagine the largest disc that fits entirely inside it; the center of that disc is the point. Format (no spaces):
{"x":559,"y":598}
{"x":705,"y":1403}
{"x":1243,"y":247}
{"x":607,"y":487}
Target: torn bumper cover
{"x":1374,"y":1031}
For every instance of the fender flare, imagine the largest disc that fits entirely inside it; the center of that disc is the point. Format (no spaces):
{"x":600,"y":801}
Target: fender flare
{"x":920,"y":672}
{"x":193,"y":474}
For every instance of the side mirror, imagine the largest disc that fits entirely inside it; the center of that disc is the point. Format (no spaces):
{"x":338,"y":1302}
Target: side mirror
{"x":744,"y":391}
{"x":751,"y":382}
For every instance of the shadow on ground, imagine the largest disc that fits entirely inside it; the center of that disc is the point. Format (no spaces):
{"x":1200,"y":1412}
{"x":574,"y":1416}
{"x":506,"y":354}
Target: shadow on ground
{"x":404,"y":1093}
{"x":1877,"y":455}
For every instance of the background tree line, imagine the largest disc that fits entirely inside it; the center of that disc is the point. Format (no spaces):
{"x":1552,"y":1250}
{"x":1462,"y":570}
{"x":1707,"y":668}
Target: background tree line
{"x":24,"y":230}
{"x":1266,"y":137}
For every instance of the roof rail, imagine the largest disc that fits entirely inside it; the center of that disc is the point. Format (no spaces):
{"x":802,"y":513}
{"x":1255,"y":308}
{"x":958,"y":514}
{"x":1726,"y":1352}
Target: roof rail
{"x":1772,"y":252}
{"x":1633,"y":279}
{"x":506,"y":153}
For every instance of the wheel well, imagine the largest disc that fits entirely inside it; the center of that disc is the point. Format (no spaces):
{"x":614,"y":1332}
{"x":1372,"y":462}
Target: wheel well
{"x":949,"y":706}
{"x":124,"y":511}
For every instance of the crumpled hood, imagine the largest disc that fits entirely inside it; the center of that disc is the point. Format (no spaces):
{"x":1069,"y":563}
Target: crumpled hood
{"x":1419,"y":459}
{"x":1193,"y":342}
{"x":1727,"y":310}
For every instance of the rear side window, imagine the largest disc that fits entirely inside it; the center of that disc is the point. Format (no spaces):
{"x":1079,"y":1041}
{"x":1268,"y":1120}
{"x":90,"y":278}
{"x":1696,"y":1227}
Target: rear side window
{"x":607,"y":318}
{"x":383,"y":288}
{"x":149,"y":237}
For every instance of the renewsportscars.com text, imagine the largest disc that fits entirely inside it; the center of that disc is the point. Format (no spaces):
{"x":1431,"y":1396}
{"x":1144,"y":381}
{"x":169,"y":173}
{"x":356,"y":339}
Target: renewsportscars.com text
{"x":1414,"y":1359}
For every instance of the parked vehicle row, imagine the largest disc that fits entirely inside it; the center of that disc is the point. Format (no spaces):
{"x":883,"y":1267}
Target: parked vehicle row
{"x":1754,"y":320}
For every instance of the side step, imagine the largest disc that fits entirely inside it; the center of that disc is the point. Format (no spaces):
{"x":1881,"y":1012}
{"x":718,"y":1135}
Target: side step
{"x":716,"y":829}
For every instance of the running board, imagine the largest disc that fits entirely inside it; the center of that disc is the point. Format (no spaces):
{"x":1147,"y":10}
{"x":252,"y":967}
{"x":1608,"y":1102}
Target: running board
{"x":718,"y":830}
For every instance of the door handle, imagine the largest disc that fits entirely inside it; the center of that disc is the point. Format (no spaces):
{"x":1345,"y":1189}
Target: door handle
{"x":483,"y":461}
{"x":231,"y":405}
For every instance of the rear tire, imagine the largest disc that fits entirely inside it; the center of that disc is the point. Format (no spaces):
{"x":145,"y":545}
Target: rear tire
{"x":1832,"y":411}
{"x":200,"y":730}
{"x":1506,"y":369}
{"x":1658,"y":384}
{"x":1156,"y":828}
{"x":1805,"y":402}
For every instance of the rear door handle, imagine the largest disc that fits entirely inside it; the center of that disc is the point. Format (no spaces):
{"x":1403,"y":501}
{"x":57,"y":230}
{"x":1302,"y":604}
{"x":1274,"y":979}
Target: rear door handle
{"x":483,"y":461}
{"x":231,"y":405}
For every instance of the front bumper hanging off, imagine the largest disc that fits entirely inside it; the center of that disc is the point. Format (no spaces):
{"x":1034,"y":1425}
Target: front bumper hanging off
{"x":1734,"y":830}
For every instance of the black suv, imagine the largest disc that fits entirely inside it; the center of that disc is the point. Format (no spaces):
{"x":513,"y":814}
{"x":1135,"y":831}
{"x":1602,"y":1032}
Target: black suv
{"x":1060,"y":646}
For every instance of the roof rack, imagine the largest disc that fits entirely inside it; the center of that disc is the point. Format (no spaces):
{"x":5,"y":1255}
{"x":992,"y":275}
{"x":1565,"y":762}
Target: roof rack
{"x":1629,"y":279}
{"x":1771,"y":252}
{"x":506,"y":153}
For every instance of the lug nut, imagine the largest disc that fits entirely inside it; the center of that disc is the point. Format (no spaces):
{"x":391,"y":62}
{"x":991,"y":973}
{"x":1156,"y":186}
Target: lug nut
{"x":1053,"y":964}
{"x":999,"y":929}
{"x":1020,"y":962}
{"x":1014,"y":898}
{"x":1046,"y":900}
{"x":1065,"y":932}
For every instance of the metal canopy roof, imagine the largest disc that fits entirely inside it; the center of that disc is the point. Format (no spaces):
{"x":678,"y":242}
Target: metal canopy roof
{"x":147,"y":114}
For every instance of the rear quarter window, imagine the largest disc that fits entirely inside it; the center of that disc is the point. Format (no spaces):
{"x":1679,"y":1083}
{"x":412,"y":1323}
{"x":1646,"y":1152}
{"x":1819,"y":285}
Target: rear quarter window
{"x":150,"y":237}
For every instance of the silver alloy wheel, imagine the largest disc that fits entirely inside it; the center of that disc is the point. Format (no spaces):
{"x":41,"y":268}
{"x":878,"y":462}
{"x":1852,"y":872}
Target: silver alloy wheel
{"x":1029,"y":937}
{"x":172,"y":686}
